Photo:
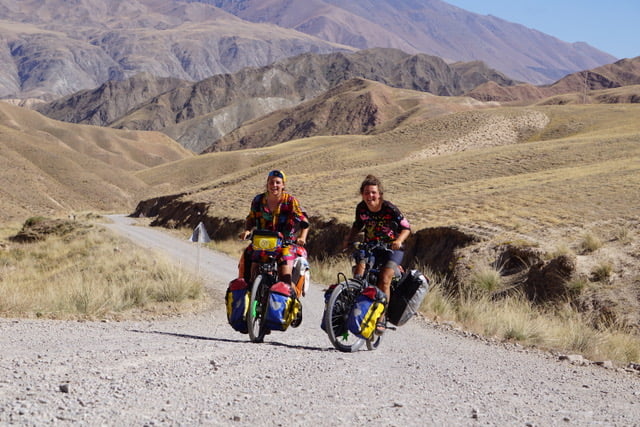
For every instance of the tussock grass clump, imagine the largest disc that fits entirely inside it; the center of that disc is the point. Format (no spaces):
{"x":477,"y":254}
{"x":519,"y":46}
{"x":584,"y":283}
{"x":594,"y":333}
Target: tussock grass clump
{"x":623,"y":234}
{"x":326,"y":271}
{"x":439,"y":303}
{"x":590,"y":243}
{"x":560,"y":250}
{"x":577,"y":286}
{"x":601,"y":272}
{"x":515,"y":318}
{"x":486,"y":279}
{"x":89,"y":273}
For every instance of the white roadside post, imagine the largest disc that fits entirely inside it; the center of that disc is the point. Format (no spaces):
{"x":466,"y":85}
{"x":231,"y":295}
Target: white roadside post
{"x":199,"y":235}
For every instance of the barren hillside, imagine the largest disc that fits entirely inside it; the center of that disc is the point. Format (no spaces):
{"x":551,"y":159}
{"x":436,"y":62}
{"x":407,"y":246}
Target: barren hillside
{"x":51,"y":167}
{"x":585,"y":85}
{"x":429,"y":26}
{"x":355,"y":107}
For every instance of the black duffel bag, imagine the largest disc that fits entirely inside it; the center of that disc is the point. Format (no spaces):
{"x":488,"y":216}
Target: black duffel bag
{"x":406,"y":297}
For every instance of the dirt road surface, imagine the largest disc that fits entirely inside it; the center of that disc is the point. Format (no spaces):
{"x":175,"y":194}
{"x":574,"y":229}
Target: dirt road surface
{"x":195,"y":370}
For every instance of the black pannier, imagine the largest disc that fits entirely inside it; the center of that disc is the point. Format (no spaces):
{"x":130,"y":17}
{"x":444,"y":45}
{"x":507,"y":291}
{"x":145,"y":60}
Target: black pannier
{"x":406,"y":297}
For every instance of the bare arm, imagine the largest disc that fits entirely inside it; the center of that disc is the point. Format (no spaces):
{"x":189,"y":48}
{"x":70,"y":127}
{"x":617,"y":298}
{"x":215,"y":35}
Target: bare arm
{"x":397,"y":244}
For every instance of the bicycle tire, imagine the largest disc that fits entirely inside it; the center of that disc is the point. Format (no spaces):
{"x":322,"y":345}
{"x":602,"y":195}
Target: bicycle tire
{"x":336,"y":314}
{"x":374,"y":342}
{"x":255,"y":314}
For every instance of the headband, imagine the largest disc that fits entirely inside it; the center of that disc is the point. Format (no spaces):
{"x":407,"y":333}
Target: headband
{"x":278,"y":174}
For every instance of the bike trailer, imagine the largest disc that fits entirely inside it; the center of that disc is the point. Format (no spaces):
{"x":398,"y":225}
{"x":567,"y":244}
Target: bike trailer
{"x":282,"y":308}
{"x":406,"y":297}
{"x":237,"y":302}
{"x":366,"y":311}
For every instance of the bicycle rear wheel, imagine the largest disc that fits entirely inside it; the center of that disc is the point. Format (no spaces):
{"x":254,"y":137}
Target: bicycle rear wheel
{"x":257,"y":304}
{"x":338,"y":307}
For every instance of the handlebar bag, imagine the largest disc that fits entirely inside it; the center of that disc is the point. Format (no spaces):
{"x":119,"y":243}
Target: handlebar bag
{"x":406,"y":297}
{"x":265,"y":241}
{"x":366,"y":311}
{"x":237,"y":302}
{"x":283,"y":307}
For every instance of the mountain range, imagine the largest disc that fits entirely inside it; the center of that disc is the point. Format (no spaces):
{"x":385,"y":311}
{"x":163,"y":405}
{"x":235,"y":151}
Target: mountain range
{"x":53,"y":48}
{"x":200,"y":115}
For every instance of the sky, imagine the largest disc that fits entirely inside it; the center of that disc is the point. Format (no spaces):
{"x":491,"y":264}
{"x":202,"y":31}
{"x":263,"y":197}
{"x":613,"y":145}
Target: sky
{"x":612,"y":26}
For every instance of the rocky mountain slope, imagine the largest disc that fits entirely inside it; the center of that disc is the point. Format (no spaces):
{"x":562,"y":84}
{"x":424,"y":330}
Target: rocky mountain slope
{"x":49,"y":167}
{"x":198,"y":114}
{"x":429,"y":26}
{"x":355,"y":107}
{"x":53,"y":48}
{"x":625,"y":72}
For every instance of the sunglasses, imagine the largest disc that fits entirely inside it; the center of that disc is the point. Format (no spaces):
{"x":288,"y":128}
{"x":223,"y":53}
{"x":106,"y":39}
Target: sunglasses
{"x":277,"y":174}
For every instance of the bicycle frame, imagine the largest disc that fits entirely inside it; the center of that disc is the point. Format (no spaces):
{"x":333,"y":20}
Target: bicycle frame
{"x":266,"y":276}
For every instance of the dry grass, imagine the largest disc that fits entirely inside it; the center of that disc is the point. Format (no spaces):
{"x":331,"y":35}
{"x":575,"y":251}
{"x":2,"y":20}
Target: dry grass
{"x":89,"y":273}
{"x":326,"y":271}
{"x":515,"y":319}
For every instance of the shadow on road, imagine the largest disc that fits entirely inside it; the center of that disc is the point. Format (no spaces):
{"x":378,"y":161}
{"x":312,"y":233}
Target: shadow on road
{"x":193,"y":337}
{"x":197,"y":337}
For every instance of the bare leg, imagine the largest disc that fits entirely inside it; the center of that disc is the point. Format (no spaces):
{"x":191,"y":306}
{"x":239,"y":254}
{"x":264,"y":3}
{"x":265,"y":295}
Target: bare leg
{"x":384,"y":281}
{"x":254,"y":271}
{"x":284,"y":271}
{"x":358,"y":270}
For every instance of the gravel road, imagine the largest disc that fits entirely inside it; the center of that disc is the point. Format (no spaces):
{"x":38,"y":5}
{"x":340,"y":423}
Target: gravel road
{"x":195,"y":370}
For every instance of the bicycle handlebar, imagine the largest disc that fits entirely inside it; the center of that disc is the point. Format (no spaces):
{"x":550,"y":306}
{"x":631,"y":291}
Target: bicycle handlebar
{"x":372,"y":245}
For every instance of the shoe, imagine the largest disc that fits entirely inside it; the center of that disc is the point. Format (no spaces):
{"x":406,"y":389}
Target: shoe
{"x":381,"y":326}
{"x":298,"y":320}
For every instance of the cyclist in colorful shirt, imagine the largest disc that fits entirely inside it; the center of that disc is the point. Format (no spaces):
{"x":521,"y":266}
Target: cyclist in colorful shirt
{"x":381,"y":221}
{"x":277,"y":210}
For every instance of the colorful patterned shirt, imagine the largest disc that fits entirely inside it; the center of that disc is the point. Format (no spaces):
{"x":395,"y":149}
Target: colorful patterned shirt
{"x":287,"y":218}
{"x":384,"y":225}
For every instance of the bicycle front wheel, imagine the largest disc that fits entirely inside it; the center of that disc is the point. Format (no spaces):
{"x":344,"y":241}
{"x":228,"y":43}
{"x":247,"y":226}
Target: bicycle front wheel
{"x":338,"y":307}
{"x":256,"y":312}
{"x":374,"y":342}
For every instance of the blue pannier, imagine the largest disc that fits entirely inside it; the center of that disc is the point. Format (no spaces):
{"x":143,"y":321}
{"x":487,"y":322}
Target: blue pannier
{"x":237,"y":302}
{"x":366,"y":311}
{"x":282,"y":308}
